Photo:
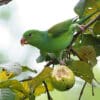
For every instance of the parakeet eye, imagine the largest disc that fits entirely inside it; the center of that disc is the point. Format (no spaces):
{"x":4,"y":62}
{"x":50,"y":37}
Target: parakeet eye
{"x":30,"y":34}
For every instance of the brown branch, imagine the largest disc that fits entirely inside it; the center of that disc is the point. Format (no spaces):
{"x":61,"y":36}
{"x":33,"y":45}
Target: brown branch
{"x":75,"y":53}
{"x":85,"y":27}
{"x":28,"y":79}
{"x":51,"y":62}
{"x":3,"y":2}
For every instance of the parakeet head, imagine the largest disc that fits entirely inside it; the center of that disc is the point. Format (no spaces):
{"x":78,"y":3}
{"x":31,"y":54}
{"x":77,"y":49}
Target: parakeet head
{"x":32,"y":37}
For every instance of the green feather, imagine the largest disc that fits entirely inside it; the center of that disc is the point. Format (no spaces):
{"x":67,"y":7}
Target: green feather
{"x":60,"y":28}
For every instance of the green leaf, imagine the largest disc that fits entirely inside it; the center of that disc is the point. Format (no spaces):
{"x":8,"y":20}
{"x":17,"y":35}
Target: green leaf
{"x":79,"y":8}
{"x":85,"y":7}
{"x":96,"y":28}
{"x":87,"y":54}
{"x":6,"y":94}
{"x":88,"y":40}
{"x":82,"y":70}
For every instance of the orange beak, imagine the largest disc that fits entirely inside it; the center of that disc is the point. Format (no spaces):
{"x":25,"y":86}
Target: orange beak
{"x":23,"y":41}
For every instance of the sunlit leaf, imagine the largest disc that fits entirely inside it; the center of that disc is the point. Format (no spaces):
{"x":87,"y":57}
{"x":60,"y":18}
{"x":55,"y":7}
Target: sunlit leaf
{"x":4,"y":75}
{"x":14,"y":85}
{"x":87,"y":54}
{"x":37,"y":82}
{"x":18,"y":86}
{"x":41,"y":88}
{"x":45,"y":74}
{"x":26,"y":86}
{"x":82,"y":70}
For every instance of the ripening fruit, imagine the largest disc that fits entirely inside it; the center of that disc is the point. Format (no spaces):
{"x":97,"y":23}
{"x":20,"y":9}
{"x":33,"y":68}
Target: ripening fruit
{"x":62,"y":78}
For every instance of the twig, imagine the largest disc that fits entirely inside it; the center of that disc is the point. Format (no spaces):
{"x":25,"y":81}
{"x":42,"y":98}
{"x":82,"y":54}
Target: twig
{"x":92,"y":90}
{"x":75,"y":52}
{"x":28,"y":79}
{"x":3,"y":2}
{"x":48,"y":94}
{"x":85,"y":27}
{"x":82,"y":90}
{"x":49,"y":63}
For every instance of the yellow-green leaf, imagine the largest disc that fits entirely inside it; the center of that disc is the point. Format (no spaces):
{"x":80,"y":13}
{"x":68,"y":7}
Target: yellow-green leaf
{"x":85,"y":7}
{"x":82,"y":70}
{"x":26,"y":86}
{"x":45,"y":74}
{"x":87,"y":54}
{"x":41,"y":88}
{"x":14,"y":85}
{"x":4,"y":75}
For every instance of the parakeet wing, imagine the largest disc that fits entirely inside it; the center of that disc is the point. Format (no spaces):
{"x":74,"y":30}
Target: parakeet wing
{"x":60,"y":28}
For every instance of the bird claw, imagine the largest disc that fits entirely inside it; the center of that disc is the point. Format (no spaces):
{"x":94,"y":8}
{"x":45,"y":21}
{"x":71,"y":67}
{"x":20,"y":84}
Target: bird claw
{"x":62,"y":62}
{"x":82,"y":27}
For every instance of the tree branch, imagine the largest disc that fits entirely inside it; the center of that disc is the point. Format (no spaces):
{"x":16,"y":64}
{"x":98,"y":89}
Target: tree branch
{"x":49,"y":63}
{"x":28,"y":79}
{"x":3,"y":2}
{"x":85,"y":27}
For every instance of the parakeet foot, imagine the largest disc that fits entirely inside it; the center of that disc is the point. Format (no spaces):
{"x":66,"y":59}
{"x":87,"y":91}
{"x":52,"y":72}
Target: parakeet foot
{"x":62,"y":62}
{"x":82,"y":27}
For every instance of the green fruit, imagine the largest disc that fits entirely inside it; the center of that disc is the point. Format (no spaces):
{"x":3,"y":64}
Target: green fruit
{"x":62,"y":78}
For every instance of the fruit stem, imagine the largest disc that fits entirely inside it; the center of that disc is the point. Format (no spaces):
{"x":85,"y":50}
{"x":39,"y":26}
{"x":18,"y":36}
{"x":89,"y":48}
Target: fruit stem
{"x":82,"y":90}
{"x":47,"y":91}
{"x":92,"y":90}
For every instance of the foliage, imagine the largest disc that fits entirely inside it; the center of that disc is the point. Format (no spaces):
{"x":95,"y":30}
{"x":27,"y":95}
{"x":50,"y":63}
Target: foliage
{"x":84,"y":45}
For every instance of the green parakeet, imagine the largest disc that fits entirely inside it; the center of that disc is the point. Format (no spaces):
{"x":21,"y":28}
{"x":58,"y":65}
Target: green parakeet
{"x":55,"y":39}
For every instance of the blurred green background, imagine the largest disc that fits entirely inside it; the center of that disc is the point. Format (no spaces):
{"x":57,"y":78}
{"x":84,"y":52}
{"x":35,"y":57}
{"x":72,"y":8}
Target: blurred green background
{"x":20,"y":15}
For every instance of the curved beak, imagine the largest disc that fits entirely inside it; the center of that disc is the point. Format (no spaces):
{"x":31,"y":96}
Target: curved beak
{"x":23,"y":41}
